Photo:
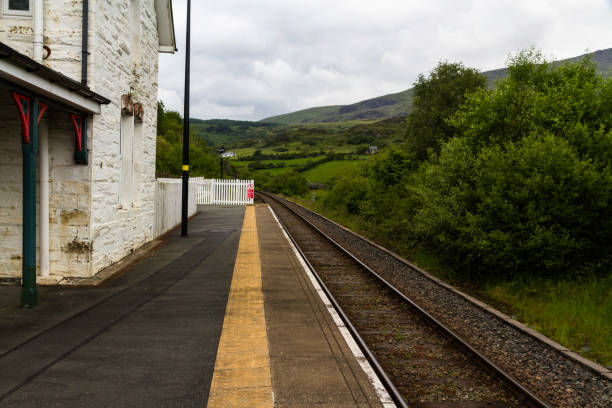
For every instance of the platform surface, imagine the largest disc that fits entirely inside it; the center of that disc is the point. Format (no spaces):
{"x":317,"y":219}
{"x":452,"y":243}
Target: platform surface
{"x":226,"y":316}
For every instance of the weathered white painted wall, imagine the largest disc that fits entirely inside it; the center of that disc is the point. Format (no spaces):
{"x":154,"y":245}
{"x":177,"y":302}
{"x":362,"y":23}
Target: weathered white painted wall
{"x":69,"y":201}
{"x":62,"y":34}
{"x":126,"y":61}
{"x":10,"y":188}
{"x":89,"y":228}
{"x":17,"y":32}
{"x":168,"y":204}
{"x":69,"y":196}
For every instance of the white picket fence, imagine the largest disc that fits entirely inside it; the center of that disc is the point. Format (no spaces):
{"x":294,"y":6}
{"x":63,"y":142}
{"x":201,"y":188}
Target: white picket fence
{"x":224,"y":192}
{"x":168,"y":203}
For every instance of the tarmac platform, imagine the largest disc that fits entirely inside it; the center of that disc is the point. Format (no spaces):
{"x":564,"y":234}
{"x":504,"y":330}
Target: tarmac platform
{"x":226,"y":317}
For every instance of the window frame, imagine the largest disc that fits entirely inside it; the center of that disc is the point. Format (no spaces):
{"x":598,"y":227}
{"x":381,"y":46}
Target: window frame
{"x":127,"y":127}
{"x":7,"y":12}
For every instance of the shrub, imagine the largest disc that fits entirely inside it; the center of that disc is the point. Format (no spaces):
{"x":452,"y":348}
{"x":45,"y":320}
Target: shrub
{"x":436,"y":98}
{"x":347,"y":194}
{"x":532,"y":206}
{"x":289,"y":184}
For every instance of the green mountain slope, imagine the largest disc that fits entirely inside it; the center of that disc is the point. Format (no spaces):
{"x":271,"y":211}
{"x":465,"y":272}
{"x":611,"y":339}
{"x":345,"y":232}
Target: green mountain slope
{"x":219,"y":131}
{"x":303,"y":116}
{"x":399,"y":104}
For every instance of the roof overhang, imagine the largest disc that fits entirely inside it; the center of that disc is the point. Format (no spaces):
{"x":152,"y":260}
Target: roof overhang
{"x":25,"y":73}
{"x":165,"y":26}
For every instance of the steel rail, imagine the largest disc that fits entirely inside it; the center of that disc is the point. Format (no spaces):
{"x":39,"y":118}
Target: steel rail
{"x":520,"y":391}
{"x":387,"y":383}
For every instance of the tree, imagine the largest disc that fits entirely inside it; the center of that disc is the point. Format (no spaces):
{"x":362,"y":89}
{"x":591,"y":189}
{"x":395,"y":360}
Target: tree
{"x":169,"y":150}
{"x":435,"y":99}
{"x":564,"y":99}
{"x":526,"y":187}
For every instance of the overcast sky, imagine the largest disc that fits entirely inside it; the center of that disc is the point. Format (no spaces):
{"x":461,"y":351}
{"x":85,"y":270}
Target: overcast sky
{"x":256,"y":58}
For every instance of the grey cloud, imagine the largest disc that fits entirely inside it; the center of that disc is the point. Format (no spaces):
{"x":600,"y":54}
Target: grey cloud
{"x":252,"y":59}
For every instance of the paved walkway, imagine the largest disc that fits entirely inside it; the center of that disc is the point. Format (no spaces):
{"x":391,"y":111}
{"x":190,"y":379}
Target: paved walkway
{"x":312,"y":364}
{"x":160,"y":335}
{"x":150,"y":339}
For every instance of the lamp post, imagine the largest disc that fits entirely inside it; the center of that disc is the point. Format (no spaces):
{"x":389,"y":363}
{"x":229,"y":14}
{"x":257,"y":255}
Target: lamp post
{"x":221,"y":151}
{"x":185,"y":168}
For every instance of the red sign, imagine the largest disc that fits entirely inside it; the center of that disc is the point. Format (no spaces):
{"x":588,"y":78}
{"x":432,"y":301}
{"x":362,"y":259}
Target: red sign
{"x":250,"y":191}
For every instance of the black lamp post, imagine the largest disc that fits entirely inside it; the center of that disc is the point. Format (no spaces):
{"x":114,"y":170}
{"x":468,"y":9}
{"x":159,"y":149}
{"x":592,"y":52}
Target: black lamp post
{"x":221,"y":151}
{"x":185,"y":168}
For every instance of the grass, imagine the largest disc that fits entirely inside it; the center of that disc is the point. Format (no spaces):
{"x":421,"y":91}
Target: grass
{"x":288,"y":163}
{"x":301,"y":115}
{"x":320,"y":174}
{"x":333,"y":169}
{"x":576,"y":313}
{"x":279,"y":170}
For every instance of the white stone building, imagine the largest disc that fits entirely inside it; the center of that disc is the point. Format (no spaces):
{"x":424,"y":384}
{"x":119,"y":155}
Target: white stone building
{"x":101,"y":179}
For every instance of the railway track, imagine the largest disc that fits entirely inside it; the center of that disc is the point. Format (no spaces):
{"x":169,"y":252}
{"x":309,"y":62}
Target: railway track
{"x":422,"y":362}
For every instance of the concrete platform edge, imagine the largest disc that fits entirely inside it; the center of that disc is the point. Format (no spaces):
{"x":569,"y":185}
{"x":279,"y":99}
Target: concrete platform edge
{"x":382,"y":393}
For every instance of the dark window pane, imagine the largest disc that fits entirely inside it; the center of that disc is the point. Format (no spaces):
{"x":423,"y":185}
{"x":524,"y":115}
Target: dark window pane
{"x":19,"y":5}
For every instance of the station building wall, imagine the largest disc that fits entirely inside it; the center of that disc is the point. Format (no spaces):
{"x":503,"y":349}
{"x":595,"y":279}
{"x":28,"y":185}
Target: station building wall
{"x":69,"y":196}
{"x":112,"y":210}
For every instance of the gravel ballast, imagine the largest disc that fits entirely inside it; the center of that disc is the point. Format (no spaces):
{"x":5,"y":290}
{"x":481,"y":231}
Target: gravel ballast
{"x":546,"y":368}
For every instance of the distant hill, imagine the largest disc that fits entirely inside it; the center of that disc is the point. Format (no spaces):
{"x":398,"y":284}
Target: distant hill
{"x":400,"y":104}
{"x":219,"y":131}
{"x":397,"y":104}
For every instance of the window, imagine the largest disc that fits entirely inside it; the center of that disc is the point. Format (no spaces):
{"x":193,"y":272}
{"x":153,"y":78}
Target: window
{"x":137,"y":162}
{"x":16,"y":8}
{"x":126,"y":140}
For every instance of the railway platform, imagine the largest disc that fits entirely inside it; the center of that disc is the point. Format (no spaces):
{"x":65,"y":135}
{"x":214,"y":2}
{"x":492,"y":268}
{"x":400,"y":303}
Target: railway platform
{"x":227,"y":317}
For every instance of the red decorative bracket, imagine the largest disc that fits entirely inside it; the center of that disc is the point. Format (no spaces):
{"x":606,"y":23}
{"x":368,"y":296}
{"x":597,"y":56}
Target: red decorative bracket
{"x":42,"y":108}
{"x":23,"y":106}
{"x":77,"y":122}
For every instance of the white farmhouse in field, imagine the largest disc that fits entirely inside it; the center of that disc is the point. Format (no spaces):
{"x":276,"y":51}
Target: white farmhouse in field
{"x":78,"y":95}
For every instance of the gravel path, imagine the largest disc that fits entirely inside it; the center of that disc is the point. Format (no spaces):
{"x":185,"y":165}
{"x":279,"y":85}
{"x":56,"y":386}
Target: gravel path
{"x":553,"y":376}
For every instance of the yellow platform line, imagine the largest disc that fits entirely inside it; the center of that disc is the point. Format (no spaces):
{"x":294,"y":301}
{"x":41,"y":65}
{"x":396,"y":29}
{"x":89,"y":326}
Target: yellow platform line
{"x":242,"y":370}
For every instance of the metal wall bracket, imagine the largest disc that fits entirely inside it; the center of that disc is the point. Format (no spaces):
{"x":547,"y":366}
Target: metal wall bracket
{"x":81,"y":154}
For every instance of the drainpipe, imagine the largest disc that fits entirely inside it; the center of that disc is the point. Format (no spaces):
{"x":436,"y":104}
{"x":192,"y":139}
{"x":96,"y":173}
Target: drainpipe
{"x":38,"y":12}
{"x":84,"y":51}
{"x":81,"y":155}
{"x":38,"y":30}
{"x":43,"y":134}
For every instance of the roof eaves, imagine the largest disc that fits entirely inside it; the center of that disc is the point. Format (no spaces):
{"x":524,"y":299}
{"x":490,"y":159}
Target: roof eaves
{"x":165,"y":26}
{"x":30,"y":65}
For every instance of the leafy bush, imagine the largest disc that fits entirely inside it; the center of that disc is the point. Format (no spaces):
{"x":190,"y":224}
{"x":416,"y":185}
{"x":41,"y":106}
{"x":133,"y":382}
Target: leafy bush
{"x":564,"y":100}
{"x":361,"y":149}
{"x":390,"y":167}
{"x":360,"y":139}
{"x":289,"y":184}
{"x":523,"y":187}
{"x":347,"y":194}
{"x":436,"y":98}
{"x":527,"y":188}
{"x":532,"y":206}
{"x":169,"y":151}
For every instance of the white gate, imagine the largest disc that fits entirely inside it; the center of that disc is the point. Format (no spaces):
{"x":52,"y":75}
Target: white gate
{"x":224,"y":192}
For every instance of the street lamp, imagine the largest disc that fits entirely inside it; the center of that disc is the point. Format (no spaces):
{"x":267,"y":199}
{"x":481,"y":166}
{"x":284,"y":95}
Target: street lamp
{"x":221,"y":151}
{"x":185,"y":168}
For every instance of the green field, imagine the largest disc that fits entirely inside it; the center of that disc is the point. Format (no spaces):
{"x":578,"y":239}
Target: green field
{"x":274,"y":172}
{"x":288,"y":163}
{"x":333,"y":169}
{"x":321,"y":173}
